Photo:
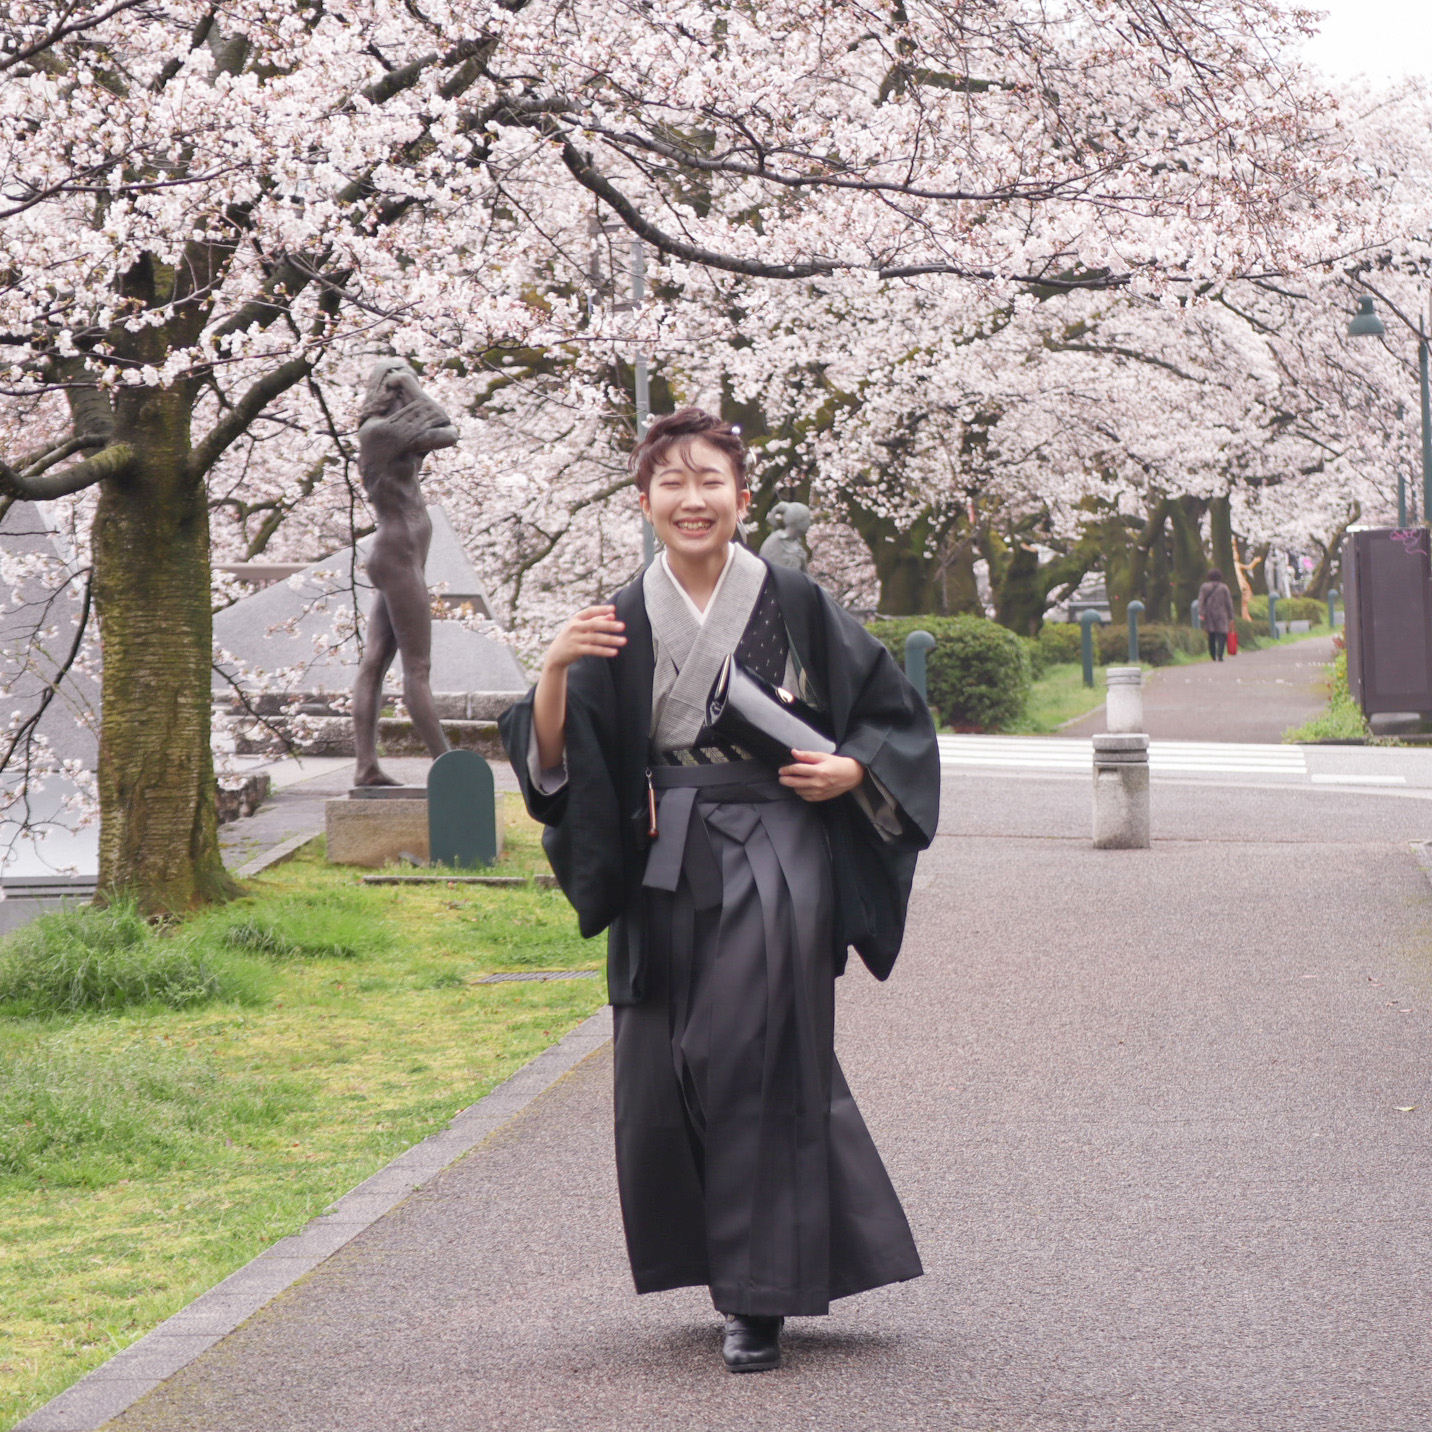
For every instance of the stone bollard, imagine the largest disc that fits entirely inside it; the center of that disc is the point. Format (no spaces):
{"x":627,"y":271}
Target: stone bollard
{"x":1124,"y":709}
{"x":1121,"y":792}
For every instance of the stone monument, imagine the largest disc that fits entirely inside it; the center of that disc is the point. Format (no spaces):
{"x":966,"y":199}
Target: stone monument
{"x":785,"y":547}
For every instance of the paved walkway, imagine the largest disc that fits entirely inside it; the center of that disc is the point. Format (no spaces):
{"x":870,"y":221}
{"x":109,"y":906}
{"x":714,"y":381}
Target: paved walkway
{"x":1160,"y":1120}
{"x":1254,"y":696}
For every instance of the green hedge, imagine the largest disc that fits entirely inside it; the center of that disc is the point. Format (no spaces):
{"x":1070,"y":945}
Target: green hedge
{"x":1251,"y":633}
{"x":979,"y":673}
{"x":1159,"y":642}
{"x":1056,"y":644}
{"x":1290,"y":609}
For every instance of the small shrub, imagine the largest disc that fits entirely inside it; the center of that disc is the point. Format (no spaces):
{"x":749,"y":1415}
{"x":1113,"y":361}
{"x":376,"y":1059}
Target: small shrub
{"x":335,"y":925}
{"x":1059,"y":643}
{"x":979,"y":673}
{"x":1159,"y":643}
{"x":1251,"y":634}
{"x":106,"y":959}
{"x":1290,"y":609}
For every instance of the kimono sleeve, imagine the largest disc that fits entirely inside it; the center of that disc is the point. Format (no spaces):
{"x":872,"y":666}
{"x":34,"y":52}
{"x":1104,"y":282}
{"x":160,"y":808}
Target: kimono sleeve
{"x":583,"y":834}
{"x":888,"y":728}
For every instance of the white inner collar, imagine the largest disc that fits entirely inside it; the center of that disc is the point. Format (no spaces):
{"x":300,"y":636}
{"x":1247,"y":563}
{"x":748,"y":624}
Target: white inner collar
{"x":715,"y":591}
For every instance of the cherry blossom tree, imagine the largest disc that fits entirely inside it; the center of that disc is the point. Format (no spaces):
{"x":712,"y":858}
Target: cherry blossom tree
{"x":216,"y":214}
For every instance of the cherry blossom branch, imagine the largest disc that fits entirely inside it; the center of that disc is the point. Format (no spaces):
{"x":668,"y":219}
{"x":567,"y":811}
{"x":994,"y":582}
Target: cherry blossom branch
{"x":64,"y":29}
{"x":237,"y":420}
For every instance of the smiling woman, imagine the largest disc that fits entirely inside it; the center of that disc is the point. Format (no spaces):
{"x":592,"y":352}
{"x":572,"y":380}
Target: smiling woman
{"x":731,"y":890}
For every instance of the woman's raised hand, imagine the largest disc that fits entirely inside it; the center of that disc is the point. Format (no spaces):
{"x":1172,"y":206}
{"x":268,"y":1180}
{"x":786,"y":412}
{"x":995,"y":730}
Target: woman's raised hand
{"x":594,"y":631}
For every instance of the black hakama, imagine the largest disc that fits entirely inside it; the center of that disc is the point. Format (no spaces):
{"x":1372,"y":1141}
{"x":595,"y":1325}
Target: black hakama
{"x":742,"y":1160}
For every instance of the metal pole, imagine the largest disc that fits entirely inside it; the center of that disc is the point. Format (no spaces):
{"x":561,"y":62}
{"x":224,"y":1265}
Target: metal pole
{"x":1136,"y":609}
{"x":1426,"y":419}
{"x":1333,"y":596}
{"x":917,"y":645}
{"x":1087,"y":618}
{"x":1273,"y":615}
{"x":1401,"y":501}
{"x":643,"y":384}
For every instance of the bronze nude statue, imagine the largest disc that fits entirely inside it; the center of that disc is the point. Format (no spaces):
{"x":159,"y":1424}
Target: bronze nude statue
{"x":397,"y":427}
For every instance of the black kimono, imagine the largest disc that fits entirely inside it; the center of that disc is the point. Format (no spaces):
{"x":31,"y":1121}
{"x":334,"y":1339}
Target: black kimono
{"x":743,"y":1162}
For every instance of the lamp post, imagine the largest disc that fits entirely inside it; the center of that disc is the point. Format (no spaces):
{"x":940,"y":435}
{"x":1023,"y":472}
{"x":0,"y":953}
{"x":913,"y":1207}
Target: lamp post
{"x":1366,"y":324}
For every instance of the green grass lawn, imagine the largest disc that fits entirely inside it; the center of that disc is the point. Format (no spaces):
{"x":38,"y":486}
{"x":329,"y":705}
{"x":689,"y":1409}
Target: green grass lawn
{"x":1059,"y":697}
{"x":148,"y":1151}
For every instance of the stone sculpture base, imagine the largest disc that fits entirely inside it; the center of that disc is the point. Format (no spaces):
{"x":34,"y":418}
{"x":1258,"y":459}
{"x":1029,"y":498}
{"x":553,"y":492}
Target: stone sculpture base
{"x":378,"y":830}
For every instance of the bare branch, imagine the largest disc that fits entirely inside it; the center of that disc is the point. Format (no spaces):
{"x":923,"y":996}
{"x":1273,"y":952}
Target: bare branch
{"x":236,"y":421}
{"x":113,"y":461}
{"x":27,"y":728}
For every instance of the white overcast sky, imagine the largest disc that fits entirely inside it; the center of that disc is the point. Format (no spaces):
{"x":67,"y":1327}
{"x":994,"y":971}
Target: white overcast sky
{"x":1384,"y":39}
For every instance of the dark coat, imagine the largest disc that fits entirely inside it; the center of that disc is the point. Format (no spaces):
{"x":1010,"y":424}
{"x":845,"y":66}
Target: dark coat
{"x":1215,"y":607}
{"x":596,"y":824}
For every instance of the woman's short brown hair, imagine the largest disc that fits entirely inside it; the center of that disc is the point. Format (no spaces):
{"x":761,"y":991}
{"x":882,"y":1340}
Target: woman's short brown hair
{"x":681,"y":429}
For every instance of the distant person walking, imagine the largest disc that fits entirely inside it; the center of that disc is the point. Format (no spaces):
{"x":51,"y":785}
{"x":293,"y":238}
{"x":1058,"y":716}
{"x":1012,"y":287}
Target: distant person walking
{"x":1215,"y":612}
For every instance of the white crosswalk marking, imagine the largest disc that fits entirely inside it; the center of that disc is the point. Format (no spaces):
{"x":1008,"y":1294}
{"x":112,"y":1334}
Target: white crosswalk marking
{"x":1052,"y":753}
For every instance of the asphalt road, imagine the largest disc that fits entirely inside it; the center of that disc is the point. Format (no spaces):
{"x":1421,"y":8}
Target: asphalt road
{"x":1145,"y":1109}
{"x":1254,"y":696}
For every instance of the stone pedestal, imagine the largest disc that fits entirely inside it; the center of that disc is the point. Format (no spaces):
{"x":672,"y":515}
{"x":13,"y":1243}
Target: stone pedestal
{"x":378,"y":825}
{"x":1124,"y":709}
{"x":1121,"y":792}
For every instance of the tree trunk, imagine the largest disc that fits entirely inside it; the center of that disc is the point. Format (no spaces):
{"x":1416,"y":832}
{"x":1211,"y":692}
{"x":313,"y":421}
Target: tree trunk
{"x":959,"y":587}
{"x":1225,"y":558}
{"x":909,"y":573}
{"x":159,"y":831}
{"x":1021,"y":596}
{"x":1190,"y":561}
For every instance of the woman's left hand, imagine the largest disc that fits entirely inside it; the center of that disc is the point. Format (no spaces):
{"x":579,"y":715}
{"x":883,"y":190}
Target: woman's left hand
{"x":821,"y":778}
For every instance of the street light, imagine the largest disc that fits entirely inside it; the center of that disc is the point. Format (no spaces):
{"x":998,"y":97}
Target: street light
{"x":1366,"y":324}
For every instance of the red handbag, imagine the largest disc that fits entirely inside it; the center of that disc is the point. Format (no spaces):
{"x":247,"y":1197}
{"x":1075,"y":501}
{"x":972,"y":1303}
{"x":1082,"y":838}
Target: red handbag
{"x":1232,"y":641}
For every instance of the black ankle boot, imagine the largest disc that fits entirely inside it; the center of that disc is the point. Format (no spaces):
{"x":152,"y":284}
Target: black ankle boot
{"x":751,"y":1344}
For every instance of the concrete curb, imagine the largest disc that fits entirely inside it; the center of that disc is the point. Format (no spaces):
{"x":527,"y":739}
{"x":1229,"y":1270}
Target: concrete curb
{"x":118,"y":1384}
{"x":274,"y":854}
{"x":1422,"y":853}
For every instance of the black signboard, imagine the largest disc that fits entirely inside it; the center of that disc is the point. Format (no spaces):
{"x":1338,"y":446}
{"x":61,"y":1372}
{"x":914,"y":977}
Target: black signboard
{"x":1387,"y":576}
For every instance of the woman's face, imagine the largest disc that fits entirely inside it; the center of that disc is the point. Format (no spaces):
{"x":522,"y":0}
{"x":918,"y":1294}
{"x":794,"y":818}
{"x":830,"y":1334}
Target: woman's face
{"x":694,"y":501}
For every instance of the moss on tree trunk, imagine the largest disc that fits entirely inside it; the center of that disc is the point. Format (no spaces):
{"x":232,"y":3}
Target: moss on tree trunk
{"x":159,"y":836}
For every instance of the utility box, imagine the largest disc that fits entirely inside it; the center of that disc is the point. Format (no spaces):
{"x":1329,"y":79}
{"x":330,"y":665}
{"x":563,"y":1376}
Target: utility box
{"x":1387,"y":579}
